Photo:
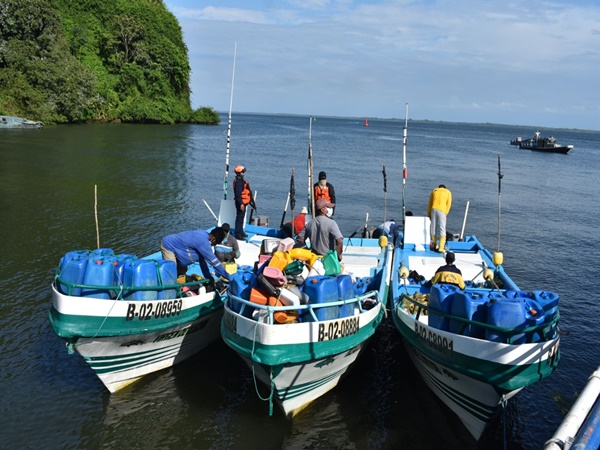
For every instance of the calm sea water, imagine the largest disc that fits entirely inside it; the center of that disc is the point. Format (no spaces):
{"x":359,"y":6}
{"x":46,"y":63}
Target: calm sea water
{"x":152,"y":180}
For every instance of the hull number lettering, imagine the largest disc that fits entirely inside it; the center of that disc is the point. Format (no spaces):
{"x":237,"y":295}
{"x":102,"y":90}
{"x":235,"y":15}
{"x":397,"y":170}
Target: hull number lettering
{"x":434,"y":339}
{"x":338,"y":329}
{"x":147,"y":311}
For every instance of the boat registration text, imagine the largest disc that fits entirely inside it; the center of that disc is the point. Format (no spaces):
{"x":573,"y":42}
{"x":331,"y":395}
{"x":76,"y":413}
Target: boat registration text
{"x":147,"y":311}
{"x":338,"y":329}
{"x":434,"y":339}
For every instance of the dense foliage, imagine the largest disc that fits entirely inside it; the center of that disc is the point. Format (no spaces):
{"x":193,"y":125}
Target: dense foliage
{"x":90,"y":60}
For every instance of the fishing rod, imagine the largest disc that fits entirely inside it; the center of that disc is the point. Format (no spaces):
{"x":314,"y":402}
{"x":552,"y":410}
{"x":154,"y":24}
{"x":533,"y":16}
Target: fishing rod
{"x":362,"y":227}
{"x":211,"y":211}
{"x":96,"y":215}
{"x":311,"y":200}
{"x":225,"y":181}
{"x":404,"y":169}
{"x":384,"y":193}
{"x":499,"y":196}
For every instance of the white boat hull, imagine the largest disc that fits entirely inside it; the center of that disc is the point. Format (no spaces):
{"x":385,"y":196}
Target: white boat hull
{"x":124,"y":340}
{"x":120,"y":361}
{"x":297,"y":385}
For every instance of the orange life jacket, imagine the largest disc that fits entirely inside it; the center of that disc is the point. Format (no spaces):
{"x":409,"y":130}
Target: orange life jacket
{"x":246,"y":196}
{"x":322,"y":192}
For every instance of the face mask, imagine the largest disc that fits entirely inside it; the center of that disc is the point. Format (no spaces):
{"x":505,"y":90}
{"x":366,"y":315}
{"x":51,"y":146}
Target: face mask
{"x":329,"y":212}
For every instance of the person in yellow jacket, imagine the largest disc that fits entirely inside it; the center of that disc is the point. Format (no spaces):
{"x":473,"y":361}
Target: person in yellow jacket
{"x":440,"y":202}
{"x":449,"y":274}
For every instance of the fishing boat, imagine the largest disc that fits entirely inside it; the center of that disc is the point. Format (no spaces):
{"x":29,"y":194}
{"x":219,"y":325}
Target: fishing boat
{"x":300,"y":320}
{"x":18,"y":122}
{"x":128,"y":316}
{"x":579,"y":429}
{"x":543,"y":144}
{"x":478,"y":346}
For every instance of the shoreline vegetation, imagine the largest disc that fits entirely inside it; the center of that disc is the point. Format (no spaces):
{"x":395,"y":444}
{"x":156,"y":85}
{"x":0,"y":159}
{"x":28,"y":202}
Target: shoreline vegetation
{"x":89,"y":61}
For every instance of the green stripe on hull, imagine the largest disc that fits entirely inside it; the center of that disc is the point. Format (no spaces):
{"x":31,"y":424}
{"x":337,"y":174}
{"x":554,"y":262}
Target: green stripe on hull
{"x":471,"y":405}
{"x":297,"y":390}
{"x":507,"y":377}
{"x":135,"y":360}
{"x":69,"y":326}
{"x":281,"y":354}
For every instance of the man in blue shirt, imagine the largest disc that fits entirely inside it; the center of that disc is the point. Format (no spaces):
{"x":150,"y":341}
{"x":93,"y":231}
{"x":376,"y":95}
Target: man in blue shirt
{"x":193,"y":246}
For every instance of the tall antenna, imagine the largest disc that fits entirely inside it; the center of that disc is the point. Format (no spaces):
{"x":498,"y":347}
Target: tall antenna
{"x":404,"y":169}
{"x":225,"y":181}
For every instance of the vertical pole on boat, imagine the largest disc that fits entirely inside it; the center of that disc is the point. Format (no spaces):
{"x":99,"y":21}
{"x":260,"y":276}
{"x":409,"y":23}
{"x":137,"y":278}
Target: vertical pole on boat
{"x":311,"y":200}
{"x":293,"y":199}
{"x":225,"y":182}
{"x":499,"y":195}
{"x":384,"y":194}
{"x":498,"y":257}
{"x":462,"y":232}
{"x":404,"y":169}
{"x":96,"y":214}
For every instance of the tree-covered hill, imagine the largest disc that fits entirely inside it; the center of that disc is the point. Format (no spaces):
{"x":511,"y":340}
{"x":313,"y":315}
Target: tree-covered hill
{"x":94,"y":60}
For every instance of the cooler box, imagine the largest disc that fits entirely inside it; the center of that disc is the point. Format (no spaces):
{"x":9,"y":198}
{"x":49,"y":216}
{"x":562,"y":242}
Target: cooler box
{"x":261,"y":221}
{"x":268,"y":246}
{"x":321,"y":289}
{"x":440,"y":299}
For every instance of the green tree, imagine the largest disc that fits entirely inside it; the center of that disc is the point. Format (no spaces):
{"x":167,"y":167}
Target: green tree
{"x":76,"y":60}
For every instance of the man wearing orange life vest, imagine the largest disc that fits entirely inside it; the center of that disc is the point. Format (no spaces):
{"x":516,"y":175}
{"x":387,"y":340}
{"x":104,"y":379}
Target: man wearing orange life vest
{"x":325,"y":190}
{"x":440,"y":202}
{"x":243,"y":196}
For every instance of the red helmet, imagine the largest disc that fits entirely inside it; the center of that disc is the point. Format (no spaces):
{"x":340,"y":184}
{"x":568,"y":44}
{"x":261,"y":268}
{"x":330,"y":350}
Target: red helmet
{"x":239,"y":169}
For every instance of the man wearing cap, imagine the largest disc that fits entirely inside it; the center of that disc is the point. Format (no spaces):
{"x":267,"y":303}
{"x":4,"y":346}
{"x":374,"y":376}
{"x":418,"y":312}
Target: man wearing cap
{"x":323,"y":232}
{"x":325,"y":190}
{"x":449,"y":274}
{"x":229,"y":249}
{"x":243,"y":197}
{"x":193,"y":246}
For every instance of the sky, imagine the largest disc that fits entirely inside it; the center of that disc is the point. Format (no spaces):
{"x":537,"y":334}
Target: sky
{"x":533,"y":63}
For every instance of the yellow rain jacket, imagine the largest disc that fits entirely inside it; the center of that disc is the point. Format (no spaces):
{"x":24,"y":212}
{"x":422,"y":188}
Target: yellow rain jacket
{"x":441,"y":199}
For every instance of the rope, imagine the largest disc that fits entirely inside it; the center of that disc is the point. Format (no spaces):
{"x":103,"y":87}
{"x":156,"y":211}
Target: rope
{"x":270,"y":397}
{"x":106,"y":317}
{"x":503,"y":403}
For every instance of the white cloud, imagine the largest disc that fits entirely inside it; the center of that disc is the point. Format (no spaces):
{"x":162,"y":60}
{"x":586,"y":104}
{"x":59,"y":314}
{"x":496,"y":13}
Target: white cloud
{"x":368,"y":58}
